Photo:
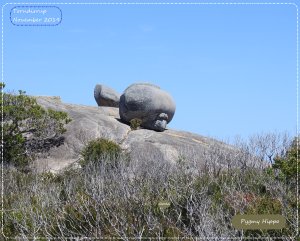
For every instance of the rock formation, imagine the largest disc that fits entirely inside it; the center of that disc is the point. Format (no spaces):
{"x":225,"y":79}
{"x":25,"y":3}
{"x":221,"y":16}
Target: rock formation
{"x":106,"y":96}
{"x":147,"y":103}
{"x":145,"y":146}
{"x":91,"y":122}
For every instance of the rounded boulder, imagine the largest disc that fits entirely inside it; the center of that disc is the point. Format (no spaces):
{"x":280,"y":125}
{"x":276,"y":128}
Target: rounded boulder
{"x":106,"y":96}
{"x":148,"y":103}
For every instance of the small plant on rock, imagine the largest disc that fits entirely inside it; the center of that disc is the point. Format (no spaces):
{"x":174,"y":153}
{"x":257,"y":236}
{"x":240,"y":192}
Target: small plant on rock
{"x":135,"y":124}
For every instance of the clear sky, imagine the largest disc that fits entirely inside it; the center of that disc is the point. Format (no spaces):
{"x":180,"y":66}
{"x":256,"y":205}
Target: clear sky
{"x":230,"y":68}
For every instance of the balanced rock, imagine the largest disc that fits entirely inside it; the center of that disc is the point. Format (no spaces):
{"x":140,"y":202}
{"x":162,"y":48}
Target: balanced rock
{"x":147,"y":103}
{"x":106,"y":96}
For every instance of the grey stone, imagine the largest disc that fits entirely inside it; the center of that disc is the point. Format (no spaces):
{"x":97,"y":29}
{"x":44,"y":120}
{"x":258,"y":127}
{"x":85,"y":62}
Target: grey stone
{"x":106,"y":96}
{"x":144,"y":146}
{"x":152,"y":105}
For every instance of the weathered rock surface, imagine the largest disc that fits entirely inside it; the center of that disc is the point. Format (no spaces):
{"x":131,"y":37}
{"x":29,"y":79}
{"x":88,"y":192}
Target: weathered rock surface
{"x":89,"y":122}
{"x":106,"y":96}
{"x":148,"y":103}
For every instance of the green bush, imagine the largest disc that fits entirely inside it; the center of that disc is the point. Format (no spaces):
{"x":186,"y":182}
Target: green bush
{"x":99,"y":149}
{"x":135,"y":124}
{"x":28,"y":128}
{"x":287,"y":164}
{"x":265,"y":205}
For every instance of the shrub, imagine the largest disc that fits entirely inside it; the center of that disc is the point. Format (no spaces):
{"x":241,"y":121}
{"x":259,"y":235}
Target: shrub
{"x":135,"y":124}
{"x":287,"y":164}
{"x":28,"y":128}
{"x":100,"y":149}
{"x":265,"y":205}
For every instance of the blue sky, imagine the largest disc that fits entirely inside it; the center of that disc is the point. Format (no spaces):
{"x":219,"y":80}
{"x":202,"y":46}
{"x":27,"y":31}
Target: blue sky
{"x":230,"y":68}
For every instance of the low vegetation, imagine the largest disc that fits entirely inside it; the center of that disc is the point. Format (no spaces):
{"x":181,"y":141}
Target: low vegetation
{"x":135,"y":124}
{"x":125,"y":200}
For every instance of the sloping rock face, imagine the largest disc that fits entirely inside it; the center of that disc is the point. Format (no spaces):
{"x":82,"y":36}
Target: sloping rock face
{"x":89,"y":122}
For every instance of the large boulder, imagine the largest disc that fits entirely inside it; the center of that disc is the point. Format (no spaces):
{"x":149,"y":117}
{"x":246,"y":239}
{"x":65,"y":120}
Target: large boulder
{"x":149,"y":104}
{"x":106,"y":96}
